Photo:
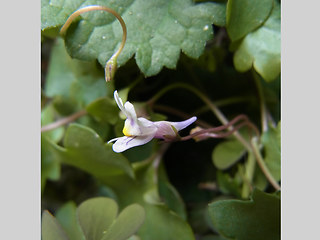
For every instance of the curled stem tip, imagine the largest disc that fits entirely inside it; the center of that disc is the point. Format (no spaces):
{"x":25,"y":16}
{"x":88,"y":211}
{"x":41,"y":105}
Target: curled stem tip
{"x":111,"y":64}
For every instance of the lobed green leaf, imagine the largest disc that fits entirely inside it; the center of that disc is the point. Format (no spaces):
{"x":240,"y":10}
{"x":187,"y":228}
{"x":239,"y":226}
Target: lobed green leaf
{"x":261,"y":49}
{"x":257,"y":219}
{"x":157,"y":30}
{"x":244,"y":16}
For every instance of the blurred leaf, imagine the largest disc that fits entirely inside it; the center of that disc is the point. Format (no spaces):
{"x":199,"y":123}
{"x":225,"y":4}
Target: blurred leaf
{"x":50,"y":165}
{"x":140,"y":153}
{"x":272,"y":146}
{"x":66,"y":215}
{"x":64,"y":105}
{"x":160,"y":220}
{"x":228,"y":185}
{"x":127,"y":223}
{"x":212,"y":237}
{"x":104,"y":109}
{"x":259,"y":181}
{"x":172,"y":198}
{"x":47,"y":117}
{"x":227,"y":153}
{"x":85,"y":150}
{"x":96,"y":215}
{"x":157,"y":30}
{"x":244,"y":16}
{"x":197,"y":217}
{"x":134,"y":237}
{"x":79,"y":82}
{"x":102,"y":128}
{"x":261,"y":49}
{"x":257,"y":219}
{"x":51,"y":229}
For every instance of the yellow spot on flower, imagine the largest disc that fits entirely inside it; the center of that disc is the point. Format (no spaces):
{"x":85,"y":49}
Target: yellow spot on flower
{"x":125,"y":132}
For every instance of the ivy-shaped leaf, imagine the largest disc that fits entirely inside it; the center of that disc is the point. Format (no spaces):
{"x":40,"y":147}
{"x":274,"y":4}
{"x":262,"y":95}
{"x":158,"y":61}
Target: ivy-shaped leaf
{"x":257,"y":219}
{"x":157,"y":30}
{"x":244,"y":16}
{"x":261,"y":49}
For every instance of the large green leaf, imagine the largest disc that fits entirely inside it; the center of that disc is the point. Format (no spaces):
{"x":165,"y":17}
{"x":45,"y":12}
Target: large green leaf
{"x":227,"y":153}
{"x":66,"y":215}
{"x":261,"y":49}
{"x":244,"y":16}
{"x":157,"y":30}
{"x":127,"y":223}
{"x":257,"y":219}
{"x":272,"y":146}
{"x":86,"y":150}
{"x":96,"y":215}
{"x":51,"y":229}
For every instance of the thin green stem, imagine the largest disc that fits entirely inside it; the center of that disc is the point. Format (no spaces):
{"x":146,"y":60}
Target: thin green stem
{"x":248,"y":175}
{"x":224,"y":127}
{"x":112,"y":62}
{"x":262,"y":165}
{"x":263,"y":107}
{"x":205,"y":99}
{"x":224,"y":102}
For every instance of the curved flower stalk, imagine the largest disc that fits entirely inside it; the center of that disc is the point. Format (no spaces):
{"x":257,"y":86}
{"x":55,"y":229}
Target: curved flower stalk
{"x":111,"y":64}
{"x":139,"y":131}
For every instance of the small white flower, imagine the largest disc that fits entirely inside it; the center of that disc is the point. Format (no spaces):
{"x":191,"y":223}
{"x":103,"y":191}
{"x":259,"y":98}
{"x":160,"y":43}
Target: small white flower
{"x":139,"y":131}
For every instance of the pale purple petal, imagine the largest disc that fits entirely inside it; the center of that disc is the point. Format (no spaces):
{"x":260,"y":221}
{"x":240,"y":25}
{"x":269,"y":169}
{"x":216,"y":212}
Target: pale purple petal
{"x":181,"y":125}
{"x":114,"y":139}
{"x":164,"y":130}
{"x":119,"y":102}
{"x":124,"y":143}
{"x":130,"y":111}
{"x":147,"y":127}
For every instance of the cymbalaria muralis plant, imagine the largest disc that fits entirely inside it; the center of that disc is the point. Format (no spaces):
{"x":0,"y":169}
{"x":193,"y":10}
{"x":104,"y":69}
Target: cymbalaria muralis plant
{"x":160,"y":119}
